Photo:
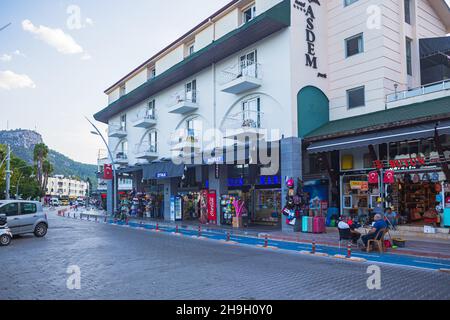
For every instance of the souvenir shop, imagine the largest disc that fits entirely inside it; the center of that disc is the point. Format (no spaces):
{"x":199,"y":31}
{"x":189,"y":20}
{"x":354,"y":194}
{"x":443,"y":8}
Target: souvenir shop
{"x":251,"y":198}
{"x":409,"y":180}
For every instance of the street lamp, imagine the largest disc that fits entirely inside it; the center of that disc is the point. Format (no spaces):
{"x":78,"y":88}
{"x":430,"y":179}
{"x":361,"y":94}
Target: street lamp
{"x":98,"y":133}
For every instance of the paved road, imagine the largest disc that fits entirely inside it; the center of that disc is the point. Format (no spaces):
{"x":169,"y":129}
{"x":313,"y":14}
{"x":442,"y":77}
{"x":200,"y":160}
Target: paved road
{"x":123,"y":263}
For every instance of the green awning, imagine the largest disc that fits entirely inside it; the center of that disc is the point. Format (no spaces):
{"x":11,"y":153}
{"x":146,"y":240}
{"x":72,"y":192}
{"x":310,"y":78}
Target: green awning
{"x":432,"y":110}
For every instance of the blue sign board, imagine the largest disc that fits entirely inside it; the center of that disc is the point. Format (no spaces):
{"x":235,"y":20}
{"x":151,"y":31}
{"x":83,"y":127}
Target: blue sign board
{"x":161,"y":175}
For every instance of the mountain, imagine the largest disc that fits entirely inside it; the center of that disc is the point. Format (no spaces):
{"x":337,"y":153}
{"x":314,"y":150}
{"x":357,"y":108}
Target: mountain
{"x":22,"y":143}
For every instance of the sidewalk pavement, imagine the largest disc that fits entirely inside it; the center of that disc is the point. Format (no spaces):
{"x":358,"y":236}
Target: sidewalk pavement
{"x":416,"y":246}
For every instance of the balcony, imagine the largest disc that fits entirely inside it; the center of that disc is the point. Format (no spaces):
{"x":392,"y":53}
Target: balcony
{"x":424,"y":93}
{"x":121,"y":159}
{"x":145,"y":119}
{"x":183,"y":102}
{"x":185,"y":141}
{"x":245,"y":124}
{"x":238,"y":79}
{"x":146,"y":151}
{"x":117,"y":131}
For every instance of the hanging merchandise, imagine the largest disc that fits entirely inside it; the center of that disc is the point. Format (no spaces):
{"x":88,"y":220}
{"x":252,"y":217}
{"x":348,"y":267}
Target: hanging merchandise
{"x":435,"y":177}
{"x":416,"y":178}
{"x":389,"y":177}
{"x":373,"y":177}
{"x":407,"y":178}
{"x":426,"y":177}
{"x":438,"y":188}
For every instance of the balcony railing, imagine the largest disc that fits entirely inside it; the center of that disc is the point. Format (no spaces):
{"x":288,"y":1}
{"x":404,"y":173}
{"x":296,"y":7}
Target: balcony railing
{"x":420,"y":91}
{"x":241,"y":77}
{"x":185,"y":140}
{"x":146,"y":118}
{"x":245,"y":124}
{"x":183,"y":102}
{"x":146,"y":150}
{"x":117,"y":131}
{"x":121,"y":158}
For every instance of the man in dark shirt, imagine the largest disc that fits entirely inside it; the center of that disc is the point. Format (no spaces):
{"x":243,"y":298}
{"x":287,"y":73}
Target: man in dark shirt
{"x":377,"y":226}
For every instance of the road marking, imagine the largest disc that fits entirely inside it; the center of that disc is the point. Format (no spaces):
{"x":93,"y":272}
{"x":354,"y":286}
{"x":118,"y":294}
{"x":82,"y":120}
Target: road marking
{"x":434,"y":263}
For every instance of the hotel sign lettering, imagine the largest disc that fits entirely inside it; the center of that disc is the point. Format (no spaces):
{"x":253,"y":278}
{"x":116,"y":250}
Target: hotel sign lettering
{"x":307,"y":8}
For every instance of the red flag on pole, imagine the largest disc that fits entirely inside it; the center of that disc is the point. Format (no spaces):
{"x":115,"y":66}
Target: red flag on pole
{"x":107,"y":172}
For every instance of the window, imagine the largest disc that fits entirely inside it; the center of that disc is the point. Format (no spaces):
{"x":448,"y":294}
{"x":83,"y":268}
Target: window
{"x":354,"y":45}
{"x":153,"y":138}
{"x":123,"y":150}
{"x":151,"y":110}
{"x":123,"y":122}
{"x":123,"y":90}
{"x":151,"y":73}
{"x":191,"y":91}
{"x":349,"y":2}
{"x":251,"y":115}
{"x":407,"y":11}
{"x":249,"y":14}
{"x":248,"y":64}
{"x":191,"y":49}
{"x":28,"y":208}
{"x":10,"y":209}
{"x":193,"y":127}
{"x":409,"y":70}
{"x":356,"y":97}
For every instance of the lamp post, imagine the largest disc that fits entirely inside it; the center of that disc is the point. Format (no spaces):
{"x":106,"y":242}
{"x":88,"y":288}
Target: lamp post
{"x":98,"y":133}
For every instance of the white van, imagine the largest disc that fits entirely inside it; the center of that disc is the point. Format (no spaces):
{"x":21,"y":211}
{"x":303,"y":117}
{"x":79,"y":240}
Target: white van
{"x":54,"y":202}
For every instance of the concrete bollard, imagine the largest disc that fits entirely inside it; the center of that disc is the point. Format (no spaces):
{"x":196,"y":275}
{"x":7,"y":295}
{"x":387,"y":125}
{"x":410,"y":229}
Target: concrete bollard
{"x":313,"y":247}
{"x":199,"y":231}
{"x":266,"y":241}
{"x":157,"y":226}
{"x":176,"y":229}
{"x":228,"y":236}
{"x":349,"y":250}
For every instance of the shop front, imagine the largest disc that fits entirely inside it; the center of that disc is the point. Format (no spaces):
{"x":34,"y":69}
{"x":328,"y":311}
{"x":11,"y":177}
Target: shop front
{"x":409,"y":180}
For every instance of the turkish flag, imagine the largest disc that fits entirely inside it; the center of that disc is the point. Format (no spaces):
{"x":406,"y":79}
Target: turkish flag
{"x":373,"y":177}
{"x":389,"y":177}
{"x":107,"y":172}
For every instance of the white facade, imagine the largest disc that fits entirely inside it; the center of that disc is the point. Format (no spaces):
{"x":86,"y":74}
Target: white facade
{"x":281,"y":71}
{"x":65,"y":186}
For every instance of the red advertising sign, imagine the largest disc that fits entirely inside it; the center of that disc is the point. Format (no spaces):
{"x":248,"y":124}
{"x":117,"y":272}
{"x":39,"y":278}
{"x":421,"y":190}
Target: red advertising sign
{"x":107,"y":172}
{"x":401,"y":163}
{"x":212,"y":206}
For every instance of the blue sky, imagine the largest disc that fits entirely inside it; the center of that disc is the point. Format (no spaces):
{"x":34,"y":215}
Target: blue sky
{"x":53,"y":73}
{"x":54,"y":78}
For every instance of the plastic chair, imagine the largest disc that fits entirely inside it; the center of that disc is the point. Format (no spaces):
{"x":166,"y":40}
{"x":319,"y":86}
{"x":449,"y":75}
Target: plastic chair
{"x":379,"y":241}
{"x":344,"y":235}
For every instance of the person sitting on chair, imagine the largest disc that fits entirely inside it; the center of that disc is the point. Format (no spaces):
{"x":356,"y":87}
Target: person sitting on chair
{"x":377,"y":226}
{"x":347,"y":223}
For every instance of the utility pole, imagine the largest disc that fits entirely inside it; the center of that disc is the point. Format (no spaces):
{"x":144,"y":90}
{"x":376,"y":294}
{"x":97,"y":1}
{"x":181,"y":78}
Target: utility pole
{"x":8,"y":172}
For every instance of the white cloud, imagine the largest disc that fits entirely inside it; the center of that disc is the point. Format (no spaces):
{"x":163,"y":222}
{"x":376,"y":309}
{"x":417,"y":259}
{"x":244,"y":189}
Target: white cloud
{"x":19,"y":53}
{"x":5,"y":57}
{"x":10,"y":80}
{"x":86,"y":56}
{"x":56,"y":38}
{"x":89,"y":22}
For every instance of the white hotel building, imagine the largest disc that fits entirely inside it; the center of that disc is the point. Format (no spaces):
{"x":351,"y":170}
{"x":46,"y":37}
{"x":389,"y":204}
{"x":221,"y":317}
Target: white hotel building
{"x":321,"y":72}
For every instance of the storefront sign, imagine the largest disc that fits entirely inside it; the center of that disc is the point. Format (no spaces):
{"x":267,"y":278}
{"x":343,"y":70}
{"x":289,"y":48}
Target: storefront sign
{"x":359,"y":185}
{"x":212,"y":206}
{"x":161,"y":175}
{"x":107,"y":172}
{"x":400,"y":163}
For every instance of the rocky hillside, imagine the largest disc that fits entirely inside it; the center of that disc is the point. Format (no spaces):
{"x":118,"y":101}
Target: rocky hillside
{"x":22,"y":143}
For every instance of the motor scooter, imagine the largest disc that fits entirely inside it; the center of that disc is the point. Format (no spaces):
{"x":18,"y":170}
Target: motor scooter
{"x":5,"y":232}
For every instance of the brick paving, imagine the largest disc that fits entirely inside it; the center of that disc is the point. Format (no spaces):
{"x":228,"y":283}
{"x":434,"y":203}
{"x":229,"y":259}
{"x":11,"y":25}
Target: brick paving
{"x":123,"y":263}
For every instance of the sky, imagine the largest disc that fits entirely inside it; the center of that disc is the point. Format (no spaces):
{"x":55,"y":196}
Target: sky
{"x":57,"y":58}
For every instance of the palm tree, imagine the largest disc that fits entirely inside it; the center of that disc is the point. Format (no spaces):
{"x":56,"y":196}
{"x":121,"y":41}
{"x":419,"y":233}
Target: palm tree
{"x":43,"y":167}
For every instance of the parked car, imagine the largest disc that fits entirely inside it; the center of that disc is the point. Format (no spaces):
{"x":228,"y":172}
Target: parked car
{"x":5,"y":232}
{"x":80,"y":202}
{"x":65,"y":202}
{"x":25,"y":217}
{"x":54,"y":202}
